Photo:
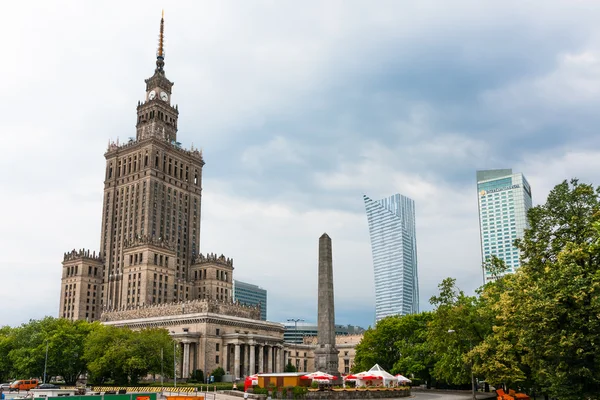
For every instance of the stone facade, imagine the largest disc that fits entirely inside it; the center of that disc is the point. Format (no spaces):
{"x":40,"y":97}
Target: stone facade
{"x":182,"y":308}
{"x":346,"y":345}
{"x":150,"y":236}
{"x":81,"y":284}
{"x":149,"y":271}
{"x":241,"y":346}
{"x":326,"y":354}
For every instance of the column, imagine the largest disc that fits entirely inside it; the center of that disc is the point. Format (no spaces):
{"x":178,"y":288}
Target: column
{"x":186,"y":361}
{"x":261,"y":359}
{"x":281,"y":357}
{"x":276,"y":359}
{"x":226,"y":358}
{"x":269,"y":359}
{"x":236,"y":362}
{"x":246,"y":357}
{"x":252,"y":360}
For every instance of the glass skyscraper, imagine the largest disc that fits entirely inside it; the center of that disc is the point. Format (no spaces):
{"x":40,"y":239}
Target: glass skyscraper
{"x":251,"y":295}
{"x":394,"y":247}
{"x":504,"y":199}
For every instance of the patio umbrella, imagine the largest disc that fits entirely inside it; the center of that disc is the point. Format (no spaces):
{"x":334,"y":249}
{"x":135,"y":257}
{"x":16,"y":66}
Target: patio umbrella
{"x":350,"y":378}
{"x":402,"y":379}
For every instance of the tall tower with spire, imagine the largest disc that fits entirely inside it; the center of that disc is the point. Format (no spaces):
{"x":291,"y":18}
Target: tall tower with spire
{"x":150,"y":215}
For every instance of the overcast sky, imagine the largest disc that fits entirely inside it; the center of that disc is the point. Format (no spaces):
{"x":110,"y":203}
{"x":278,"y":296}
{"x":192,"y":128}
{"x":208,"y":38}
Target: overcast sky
{"x":300,"y":109}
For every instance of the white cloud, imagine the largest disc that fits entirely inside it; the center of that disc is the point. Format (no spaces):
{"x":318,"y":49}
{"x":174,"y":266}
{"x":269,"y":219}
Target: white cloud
{"x":75,"y":74}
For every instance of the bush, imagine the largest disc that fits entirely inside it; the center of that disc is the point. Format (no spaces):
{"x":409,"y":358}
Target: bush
{"x":289,"y":367}
{"x":197,"y":376}
{"x":299,"y":392}
{"x":259,"y":390}
{"x":218,"y":374}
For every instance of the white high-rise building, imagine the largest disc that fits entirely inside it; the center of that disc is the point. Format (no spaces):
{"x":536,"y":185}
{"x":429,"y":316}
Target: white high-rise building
{"x":504,"y":199}
{"x":394,"y":247}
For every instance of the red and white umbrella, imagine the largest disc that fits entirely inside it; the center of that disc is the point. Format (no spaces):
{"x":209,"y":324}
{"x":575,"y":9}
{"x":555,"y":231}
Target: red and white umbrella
{"x":350,"y":377}
{"x":318,"y":375}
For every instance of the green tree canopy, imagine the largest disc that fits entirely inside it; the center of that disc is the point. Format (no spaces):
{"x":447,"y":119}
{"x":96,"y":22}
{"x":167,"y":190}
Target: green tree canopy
{"x":547,"y":326}
{"x":123,"y":355}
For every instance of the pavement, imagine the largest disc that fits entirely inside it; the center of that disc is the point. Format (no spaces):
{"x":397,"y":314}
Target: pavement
{"x":416,"y":394}
{"x":434,"y":395}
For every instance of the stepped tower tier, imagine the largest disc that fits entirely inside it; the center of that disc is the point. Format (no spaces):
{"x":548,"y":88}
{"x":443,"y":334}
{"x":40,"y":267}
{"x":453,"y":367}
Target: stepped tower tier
{"x":81,"y":285}
{"x":152,"y":190}
{"x":156,"y":117}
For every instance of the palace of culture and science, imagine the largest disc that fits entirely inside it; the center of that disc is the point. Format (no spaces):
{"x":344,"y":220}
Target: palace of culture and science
{"x":149,"y":271}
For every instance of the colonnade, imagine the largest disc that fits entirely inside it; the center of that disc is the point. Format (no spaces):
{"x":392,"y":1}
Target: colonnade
{"x":249,"y":358}
{"x":189,"y":357}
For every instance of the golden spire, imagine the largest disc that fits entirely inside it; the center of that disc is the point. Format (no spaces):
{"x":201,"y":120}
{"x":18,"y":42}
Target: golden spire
{"x":160,"y":55}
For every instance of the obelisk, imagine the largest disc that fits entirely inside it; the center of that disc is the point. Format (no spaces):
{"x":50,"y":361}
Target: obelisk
{"x":326,"y":354}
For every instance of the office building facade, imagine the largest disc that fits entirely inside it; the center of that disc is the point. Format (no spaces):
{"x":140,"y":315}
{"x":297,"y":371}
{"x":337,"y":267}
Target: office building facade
{"x":504,"y":199}
{"x":297,"y":332}
{"x":394,"y":247}
{"x":251,"y":295}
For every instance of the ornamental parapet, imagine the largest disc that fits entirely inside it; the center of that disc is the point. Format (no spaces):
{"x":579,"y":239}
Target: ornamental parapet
{"x":115,"y":146}
{"x":213,"y":258}
{"x":181,"y":308}
{"x":81,"y":253}
{"x":144,"y":240}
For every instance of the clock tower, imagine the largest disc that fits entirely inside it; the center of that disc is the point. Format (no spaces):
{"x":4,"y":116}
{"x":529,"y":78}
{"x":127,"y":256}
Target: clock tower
{"x":156,"y":117}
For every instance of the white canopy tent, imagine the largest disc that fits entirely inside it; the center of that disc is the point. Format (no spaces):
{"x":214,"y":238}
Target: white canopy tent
{"x":376,"y":376}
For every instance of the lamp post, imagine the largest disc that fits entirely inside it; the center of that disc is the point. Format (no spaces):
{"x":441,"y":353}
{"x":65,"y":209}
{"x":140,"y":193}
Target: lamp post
{"x":174,"y":361}
{"x":295,"y":321}
{"x":46,"y":360}
{"x":474,"y":396}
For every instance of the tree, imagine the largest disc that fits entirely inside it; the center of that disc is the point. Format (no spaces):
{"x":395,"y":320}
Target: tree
{"x":6,"y":345}
{"x":218,"y":374}
{"x":547,"y":316}
{"x":123,"y":355}
{"x":64,"y":340}
{"x":416,"y":358}
{"x":455,"y":329}
{"x":378,"y":346}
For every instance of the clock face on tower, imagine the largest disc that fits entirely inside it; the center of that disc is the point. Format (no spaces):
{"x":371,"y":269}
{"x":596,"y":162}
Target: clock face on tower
{"x":152,"y":95}
{"x":164,"y":96}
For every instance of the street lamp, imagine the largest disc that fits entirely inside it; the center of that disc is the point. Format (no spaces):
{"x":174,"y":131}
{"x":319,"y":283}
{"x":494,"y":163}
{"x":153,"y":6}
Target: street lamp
{"x":295,"y":321}
{"x":174,"y":362}
{"x":46,"y":360}
{"x":474,"y":397}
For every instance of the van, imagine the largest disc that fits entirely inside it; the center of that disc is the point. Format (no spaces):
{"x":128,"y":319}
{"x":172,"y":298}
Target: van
{"x":24,"y":384}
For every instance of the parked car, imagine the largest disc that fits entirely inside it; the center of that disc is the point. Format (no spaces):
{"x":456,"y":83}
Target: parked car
{"x":24,"y":384}
{"x":48,"y":386}
{"x":4,"y":386}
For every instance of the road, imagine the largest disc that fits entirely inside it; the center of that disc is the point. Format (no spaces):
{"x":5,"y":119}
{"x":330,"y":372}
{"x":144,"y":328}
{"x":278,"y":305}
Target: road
{"x":425,"y":395}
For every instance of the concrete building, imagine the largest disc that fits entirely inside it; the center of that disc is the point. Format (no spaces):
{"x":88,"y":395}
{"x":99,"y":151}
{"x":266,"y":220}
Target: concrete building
{"x":394,"y":247}
{"x":504,"y":199}
{"x":251,"y":295}
{"x":302,"y":356}
{"x":298,"y":332}
{"x":149,"y":271}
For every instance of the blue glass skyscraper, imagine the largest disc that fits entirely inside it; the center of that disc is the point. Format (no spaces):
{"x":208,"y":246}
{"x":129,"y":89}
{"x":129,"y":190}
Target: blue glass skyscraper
{"x":394,"y":247}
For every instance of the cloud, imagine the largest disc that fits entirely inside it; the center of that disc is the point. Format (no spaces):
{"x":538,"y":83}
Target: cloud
{"x":299,"y":111}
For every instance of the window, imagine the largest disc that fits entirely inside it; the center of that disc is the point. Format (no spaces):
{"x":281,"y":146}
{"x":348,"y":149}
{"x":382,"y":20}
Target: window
{"x":217,"y":332}
{"x":217,"y":347}
{"x":217,"y":359}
